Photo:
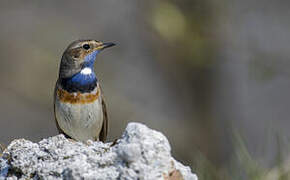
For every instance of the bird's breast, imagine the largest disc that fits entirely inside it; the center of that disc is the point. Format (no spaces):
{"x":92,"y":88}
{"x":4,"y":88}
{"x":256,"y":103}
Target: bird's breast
{"x":79,"y":115}
{"x":77,"y":97}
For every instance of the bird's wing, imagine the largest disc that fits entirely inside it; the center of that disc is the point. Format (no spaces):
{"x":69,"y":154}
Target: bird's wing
{"x":104,"y":131}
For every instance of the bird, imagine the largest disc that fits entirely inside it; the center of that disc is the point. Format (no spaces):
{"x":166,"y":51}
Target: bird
{"x":79,"y":106}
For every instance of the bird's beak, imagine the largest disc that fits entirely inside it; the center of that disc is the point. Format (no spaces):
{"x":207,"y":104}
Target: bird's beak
{"x":107,"y":45}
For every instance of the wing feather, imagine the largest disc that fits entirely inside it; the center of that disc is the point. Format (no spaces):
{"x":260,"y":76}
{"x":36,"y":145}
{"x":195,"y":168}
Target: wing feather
{"x":104,"y":131}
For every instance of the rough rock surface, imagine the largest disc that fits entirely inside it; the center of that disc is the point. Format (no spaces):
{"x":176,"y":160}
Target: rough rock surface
{"x":141,"y":153}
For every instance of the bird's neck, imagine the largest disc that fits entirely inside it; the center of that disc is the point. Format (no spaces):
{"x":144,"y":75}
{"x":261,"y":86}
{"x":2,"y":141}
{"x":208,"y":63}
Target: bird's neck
{"x":84,"y":81}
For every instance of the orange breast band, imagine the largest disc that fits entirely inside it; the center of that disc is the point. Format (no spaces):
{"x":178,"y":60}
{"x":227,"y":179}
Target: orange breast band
{"x":77,"y":98}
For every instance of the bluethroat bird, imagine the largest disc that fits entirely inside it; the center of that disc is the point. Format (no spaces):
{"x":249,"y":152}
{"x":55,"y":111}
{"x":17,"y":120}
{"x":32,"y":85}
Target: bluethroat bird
{"x":79,"y":107}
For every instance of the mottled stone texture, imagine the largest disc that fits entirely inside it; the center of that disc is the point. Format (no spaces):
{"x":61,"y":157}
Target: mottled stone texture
{"x":141,"y":153}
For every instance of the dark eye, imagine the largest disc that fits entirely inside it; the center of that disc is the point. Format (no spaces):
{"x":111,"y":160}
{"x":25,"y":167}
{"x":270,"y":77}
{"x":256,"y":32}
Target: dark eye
{"x":86,"y":46}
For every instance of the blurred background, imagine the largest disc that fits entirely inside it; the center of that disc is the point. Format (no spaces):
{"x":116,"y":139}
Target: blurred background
{"x":213,"y":76}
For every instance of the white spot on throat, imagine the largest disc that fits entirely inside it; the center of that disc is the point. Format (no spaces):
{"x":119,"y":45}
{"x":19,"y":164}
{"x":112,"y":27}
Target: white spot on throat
{"x":86,"y":71}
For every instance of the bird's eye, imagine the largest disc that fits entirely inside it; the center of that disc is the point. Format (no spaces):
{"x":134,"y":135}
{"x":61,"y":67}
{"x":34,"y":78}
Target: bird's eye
{"x":86,"y":46}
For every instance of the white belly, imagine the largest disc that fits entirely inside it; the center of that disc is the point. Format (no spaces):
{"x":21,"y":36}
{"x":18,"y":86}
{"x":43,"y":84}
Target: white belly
{"x":80,"y":121}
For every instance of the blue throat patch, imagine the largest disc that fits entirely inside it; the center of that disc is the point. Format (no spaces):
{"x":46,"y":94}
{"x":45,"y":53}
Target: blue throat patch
{"x":84,"y":79}
{"x":82,"y":82}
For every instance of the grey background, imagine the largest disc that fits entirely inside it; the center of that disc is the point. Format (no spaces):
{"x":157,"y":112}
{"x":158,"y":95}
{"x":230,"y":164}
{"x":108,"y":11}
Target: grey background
{"x":195,"y":70}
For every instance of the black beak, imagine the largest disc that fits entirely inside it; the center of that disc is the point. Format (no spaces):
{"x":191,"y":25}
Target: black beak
{"x":107,"y":45}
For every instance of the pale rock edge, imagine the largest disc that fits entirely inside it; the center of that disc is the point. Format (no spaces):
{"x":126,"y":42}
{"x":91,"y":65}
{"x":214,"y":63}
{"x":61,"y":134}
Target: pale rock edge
{"x":141,"y":153}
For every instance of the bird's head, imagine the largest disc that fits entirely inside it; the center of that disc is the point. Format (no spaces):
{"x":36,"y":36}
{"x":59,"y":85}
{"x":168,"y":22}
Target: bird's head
{"x":80,"y":54}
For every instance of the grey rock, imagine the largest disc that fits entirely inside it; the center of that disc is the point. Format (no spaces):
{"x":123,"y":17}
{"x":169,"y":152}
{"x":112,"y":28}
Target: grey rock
{"x":141,"y":153}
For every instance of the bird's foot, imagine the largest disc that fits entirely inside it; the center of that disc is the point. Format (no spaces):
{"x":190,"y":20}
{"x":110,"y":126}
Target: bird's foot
{"x":2,"y":149}
{"x":114,"y":142}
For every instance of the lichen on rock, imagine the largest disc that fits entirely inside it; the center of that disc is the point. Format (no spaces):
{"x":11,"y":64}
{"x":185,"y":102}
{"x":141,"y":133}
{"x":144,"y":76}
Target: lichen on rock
{"x":141,"y":153}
